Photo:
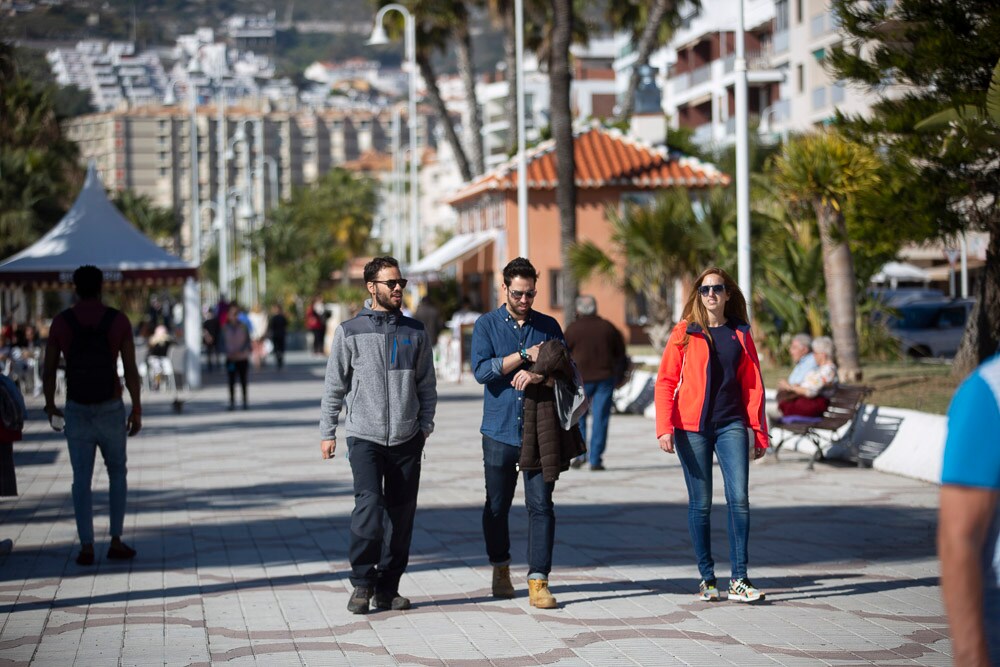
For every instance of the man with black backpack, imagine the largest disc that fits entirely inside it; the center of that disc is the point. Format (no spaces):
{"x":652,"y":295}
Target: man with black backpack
{"x":90,"y":336}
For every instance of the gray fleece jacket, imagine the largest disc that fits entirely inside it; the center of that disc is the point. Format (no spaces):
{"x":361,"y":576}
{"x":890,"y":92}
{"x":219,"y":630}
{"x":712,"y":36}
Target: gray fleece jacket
{"x":381,"y":369}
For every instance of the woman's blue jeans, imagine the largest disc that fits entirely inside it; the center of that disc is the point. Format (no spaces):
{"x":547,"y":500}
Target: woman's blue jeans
{"x":500,"y":465}
{"x":728,"y":441}
{"x":89,"y":428}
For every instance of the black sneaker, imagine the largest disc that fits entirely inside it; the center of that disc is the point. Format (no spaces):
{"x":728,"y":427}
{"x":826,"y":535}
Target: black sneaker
{"x":393,"y":601}
{"x":360,"y":599}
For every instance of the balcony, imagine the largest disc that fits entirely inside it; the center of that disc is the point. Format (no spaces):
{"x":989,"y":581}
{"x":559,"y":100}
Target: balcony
{"x":701,"y":74}
{"x":819,"y":25}
{"x":780,"y":41}
{"x":702,"y":134}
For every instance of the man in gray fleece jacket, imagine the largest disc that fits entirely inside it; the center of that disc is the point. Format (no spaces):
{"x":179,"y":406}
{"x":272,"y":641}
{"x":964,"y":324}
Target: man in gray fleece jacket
{"x":381,"y":369}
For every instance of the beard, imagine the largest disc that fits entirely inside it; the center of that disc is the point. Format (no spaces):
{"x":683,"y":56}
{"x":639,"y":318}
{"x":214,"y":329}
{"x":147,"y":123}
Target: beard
{"x":386,"y":301}
{"x":518,"y":308}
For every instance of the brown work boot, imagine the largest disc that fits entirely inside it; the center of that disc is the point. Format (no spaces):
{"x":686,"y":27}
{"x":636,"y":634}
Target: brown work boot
{"x":539,"y":594}
{"x":502,"y":586}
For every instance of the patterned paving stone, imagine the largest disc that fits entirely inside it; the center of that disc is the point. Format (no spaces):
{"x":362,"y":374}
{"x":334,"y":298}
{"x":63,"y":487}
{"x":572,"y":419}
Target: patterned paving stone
{"x":242,"y":534}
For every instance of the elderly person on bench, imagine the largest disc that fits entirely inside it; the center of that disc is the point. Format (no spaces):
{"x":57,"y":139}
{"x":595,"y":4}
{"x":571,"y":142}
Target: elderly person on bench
{"x":811,"y":397}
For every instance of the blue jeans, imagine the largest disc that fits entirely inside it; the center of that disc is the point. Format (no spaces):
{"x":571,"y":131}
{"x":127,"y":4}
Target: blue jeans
{"x":500,"y":465}
{"x":599,"y":394}
{"x":89,"y":428}
{"x":729,"y":442}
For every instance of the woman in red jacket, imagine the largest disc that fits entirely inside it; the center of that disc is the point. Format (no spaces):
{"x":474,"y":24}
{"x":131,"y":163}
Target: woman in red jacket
{"x":709,"y":391}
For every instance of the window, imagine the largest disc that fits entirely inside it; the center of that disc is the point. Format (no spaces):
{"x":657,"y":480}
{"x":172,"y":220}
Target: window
{"x":781,"y":15}
{"x":801,"y":76}
{"x":798,"y":11}
{"x":555,"y":283}
{"x":819,"y":54}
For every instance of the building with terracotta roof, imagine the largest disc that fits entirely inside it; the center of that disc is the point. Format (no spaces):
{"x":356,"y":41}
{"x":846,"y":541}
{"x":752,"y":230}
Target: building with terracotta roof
{"x":611,"y":169}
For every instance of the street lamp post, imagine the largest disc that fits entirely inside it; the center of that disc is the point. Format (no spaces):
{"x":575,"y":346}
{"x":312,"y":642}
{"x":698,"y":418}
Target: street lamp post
{"x":192,"y":286}
{"x":224,"y":277}
{"x":742,"y":165}
{"x":522,"y":160}
{"x":378,"y":37}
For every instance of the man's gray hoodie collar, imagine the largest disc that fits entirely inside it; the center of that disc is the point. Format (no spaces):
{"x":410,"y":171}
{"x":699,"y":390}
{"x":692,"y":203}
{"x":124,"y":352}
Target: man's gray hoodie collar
{"x":390,"y":316}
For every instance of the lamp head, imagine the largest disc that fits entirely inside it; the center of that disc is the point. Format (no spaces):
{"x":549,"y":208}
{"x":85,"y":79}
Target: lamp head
{"x":378,"y":36}
{"x":169,"y":98}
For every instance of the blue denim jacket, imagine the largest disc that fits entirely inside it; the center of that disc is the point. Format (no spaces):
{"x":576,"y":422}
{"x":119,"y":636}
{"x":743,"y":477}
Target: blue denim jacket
{"x":495,"y":336}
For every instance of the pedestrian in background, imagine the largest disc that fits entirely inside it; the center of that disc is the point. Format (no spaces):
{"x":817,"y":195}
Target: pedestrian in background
{"x":598,"y":349}
{"x":91,"y":337}
{"x":708,"y":391}
{"x":236,"y":342}
{"x":505,"y":342}
{"x":382,"y":366}
{"x":277,"y":328}
{"x":969,"y":522}
{"x":316,"y":324}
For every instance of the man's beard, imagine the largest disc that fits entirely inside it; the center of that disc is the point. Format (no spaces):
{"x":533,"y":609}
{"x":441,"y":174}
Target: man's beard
{"x":386,"y":301}
{"x":516,"y":308}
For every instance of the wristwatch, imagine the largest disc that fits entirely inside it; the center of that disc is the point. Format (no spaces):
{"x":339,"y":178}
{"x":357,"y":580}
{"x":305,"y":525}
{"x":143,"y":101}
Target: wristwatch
{"x":524,"y":355}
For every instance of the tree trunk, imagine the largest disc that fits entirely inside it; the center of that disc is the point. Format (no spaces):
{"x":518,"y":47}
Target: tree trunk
{"x":427,"y":71}
{"x":647,"y":43}
{"x":562,"y":132}
{"x":982,"y":334}
{"x":463,"y":53}
{"x":841,"y":297}
{"x":510,"y":73}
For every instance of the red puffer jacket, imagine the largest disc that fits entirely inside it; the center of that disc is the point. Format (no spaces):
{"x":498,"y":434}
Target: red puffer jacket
{"x":682,"y":391}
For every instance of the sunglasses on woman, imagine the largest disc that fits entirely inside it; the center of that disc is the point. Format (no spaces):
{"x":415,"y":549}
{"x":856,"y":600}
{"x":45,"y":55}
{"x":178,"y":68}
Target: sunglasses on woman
{"x":391,"y":284}
{"x":705,"y":290}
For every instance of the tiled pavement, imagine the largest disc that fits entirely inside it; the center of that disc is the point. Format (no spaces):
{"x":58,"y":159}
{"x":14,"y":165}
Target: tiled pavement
{"x":242,"y":536}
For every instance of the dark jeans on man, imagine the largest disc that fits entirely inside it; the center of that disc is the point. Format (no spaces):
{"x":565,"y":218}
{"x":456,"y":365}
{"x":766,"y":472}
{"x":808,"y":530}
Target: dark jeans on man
{"x":234,"y":369}
{"x":600,"y":394}
{"x":500,"y":465}
{"x":386,"y":480}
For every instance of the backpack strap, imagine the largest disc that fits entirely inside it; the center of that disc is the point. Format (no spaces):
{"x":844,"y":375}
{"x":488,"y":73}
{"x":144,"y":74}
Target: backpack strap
{"x":70,"y":316}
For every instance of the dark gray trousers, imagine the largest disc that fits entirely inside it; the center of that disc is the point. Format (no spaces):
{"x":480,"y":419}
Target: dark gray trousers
{"x":386,"y":480}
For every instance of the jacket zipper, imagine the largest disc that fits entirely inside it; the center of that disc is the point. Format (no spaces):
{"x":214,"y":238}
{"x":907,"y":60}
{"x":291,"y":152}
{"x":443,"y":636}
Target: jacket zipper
{"x":388,"y":421}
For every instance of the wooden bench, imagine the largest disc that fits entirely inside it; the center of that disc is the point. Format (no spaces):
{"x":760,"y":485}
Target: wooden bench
{"x":846,"y":403}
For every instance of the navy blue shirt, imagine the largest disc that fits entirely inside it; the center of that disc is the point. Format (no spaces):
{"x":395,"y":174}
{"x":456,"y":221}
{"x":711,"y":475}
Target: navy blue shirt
{"x":496,"y":335}
{"x":726,"y":394}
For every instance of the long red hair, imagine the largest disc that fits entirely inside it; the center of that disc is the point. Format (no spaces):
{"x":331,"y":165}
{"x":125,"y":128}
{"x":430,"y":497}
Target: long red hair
{"x":736,"y":306}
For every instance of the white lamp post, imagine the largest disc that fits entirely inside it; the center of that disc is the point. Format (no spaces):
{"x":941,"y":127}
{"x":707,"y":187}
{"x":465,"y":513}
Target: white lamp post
{"x":192,"y":286}
{"x":522,"y":160}
{"x":742,"y":165}
{"x":378,"y":37}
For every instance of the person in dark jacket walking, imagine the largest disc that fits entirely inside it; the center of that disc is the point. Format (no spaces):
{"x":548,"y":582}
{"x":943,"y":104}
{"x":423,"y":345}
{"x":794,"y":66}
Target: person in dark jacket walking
{"x":277,"y":329}
{"x":598,"y":349}
{"x":387,"y":424}
{"x":505,"y":342}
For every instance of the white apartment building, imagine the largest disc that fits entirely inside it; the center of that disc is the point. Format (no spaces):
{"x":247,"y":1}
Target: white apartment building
{"x":786,"y":44}
{"x":112,"y":72}
{"x":592,"y":95}
{"x":263,"y":156}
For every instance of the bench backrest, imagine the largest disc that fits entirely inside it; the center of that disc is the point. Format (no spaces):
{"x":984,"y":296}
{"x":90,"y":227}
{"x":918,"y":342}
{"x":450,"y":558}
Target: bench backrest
{"x":844,"y":404}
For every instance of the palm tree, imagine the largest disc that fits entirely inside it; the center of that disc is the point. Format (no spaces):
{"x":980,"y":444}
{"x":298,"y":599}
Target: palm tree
{"x":562,"y":131}
{"x":977,"y":125}
{"x":463,"y":52}
{"x":825,"y":172}
{"x":657,"y":244}
{"x":435,"y":22}
{"x":159,"y":224}
{"x":650,"y":25}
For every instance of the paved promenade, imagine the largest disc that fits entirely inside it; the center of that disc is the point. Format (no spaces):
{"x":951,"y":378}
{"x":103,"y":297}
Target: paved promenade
{"x":242,"y":535}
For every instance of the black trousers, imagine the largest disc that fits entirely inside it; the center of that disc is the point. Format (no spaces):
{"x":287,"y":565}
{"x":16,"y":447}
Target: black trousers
{"x":234,"y":369}
{"x":386,"y":480}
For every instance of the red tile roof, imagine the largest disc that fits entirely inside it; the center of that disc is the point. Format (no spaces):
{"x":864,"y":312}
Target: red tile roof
{"x":603,"y":158}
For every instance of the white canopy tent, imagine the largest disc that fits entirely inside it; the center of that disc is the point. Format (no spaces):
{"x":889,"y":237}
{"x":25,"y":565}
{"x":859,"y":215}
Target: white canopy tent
{"x":897,"y":272}
{"x":95,"y":232}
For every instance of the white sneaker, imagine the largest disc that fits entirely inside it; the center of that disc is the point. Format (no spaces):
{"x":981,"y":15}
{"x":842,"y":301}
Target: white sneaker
{"x":742,"y":590}
{"x":708,"y":591}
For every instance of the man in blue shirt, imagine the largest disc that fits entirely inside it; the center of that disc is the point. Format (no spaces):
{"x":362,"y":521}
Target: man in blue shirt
{"x":504,"y":342}
{"x":969,"y":521}
{"x":803,"y":358}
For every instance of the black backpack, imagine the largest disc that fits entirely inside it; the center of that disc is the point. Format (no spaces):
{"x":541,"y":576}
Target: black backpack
{"x":91,"y":367}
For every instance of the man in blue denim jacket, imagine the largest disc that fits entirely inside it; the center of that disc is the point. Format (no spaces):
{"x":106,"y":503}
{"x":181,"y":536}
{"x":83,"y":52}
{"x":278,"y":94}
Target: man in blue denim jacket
{"x":504,"y":344}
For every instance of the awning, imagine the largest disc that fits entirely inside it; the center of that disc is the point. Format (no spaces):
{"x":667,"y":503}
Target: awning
{"x":453,"y":250}
{"x":900,"y":271}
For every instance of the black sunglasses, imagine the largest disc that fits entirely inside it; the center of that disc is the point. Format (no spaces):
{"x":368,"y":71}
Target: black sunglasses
{"x":518,"y":294}
{"x":391,"y":284}
{"x":705,"y":290}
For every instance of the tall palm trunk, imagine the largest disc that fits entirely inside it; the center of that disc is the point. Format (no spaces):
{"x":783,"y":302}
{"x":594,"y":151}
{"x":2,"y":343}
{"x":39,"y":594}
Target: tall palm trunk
{"x":434,"y":93}
{"x":562,"y":132}
{"x":841,"y":291}
{"x":510,"y":74}
{"x":463,"y":52}
{"x":982,"y":333}
{"x":647,"y":42}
